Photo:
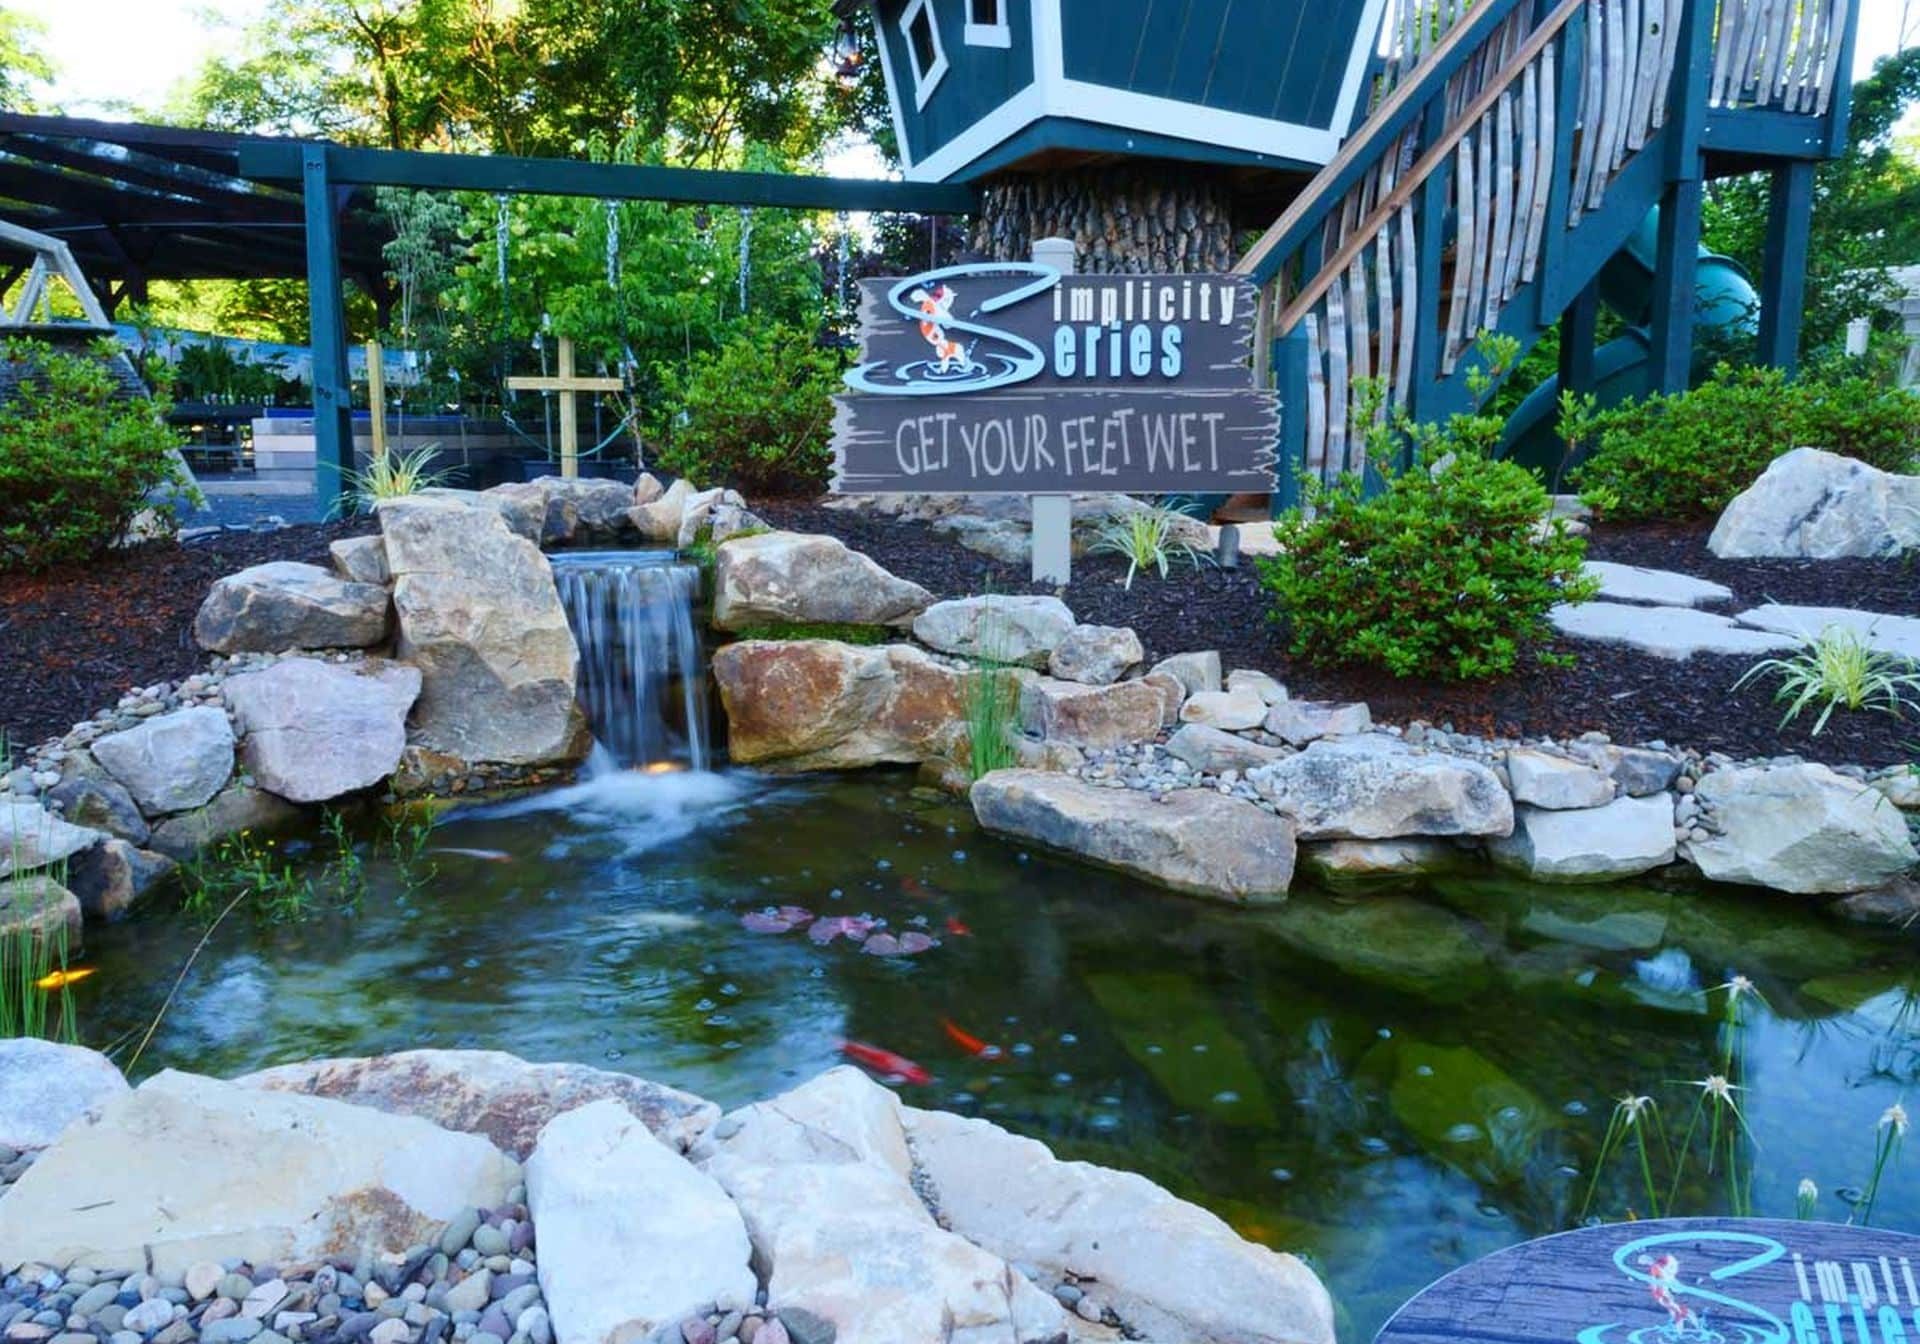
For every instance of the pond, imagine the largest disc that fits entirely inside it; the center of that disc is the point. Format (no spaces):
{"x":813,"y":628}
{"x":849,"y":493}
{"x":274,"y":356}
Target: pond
{"x":1390,"y":1082}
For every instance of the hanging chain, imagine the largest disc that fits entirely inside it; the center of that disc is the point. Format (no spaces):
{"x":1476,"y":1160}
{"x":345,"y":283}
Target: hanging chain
{"x":502,"y":237}
{"x":613,"y":245}
{"x":746,"y":253}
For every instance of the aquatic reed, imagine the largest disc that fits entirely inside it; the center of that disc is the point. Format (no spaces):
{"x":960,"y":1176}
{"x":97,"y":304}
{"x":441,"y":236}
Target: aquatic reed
{"x":992,"y":697}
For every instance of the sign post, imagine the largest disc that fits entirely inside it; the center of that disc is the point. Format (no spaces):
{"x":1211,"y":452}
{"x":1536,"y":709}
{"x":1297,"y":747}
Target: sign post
{"x":1025,"y":378}
{"x":1052,"y":538}
{"x":377,"y":399}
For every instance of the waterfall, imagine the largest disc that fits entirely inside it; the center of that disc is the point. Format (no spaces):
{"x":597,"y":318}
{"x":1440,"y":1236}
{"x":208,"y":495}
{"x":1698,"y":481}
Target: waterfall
{"x":643,"y":676}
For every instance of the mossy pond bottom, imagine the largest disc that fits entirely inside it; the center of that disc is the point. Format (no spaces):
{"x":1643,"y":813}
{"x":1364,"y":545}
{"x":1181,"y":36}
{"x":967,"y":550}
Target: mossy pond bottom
{"x":1390,"y":1082}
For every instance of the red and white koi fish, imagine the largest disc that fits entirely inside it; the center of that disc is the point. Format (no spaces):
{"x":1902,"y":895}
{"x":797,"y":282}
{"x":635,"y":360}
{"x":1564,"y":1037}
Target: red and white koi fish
{"x":936,"y":309}
{"x":885,"y":1063}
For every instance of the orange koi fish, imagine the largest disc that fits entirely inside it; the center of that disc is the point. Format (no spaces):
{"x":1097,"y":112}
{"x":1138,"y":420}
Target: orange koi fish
{"x":967,"y":1041}
{"x":885,"y":1063}
{"x":61,"y":979}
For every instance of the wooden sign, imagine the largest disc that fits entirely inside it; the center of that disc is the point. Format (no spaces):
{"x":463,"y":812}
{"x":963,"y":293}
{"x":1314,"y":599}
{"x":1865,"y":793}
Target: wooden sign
{"x":1013,"y":377}
{"x":1733,"y":1280}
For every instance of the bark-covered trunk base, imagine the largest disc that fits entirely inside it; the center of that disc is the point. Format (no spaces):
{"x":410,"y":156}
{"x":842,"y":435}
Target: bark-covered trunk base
{"x":1127,"y":219}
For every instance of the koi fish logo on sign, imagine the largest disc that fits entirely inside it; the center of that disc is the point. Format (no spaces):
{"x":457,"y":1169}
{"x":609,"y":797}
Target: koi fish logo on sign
{"x":1680,"y":1281}
{"x":1015,"y":377}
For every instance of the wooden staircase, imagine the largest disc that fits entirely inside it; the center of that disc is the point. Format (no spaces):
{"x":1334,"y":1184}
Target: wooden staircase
{"x":1512,"y":149}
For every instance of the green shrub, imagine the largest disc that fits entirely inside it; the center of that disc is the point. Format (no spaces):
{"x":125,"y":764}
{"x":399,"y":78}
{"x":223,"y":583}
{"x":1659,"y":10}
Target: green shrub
{"x":1688,"y":455}
{"x":77,"y":463}
{"x":755,"y":414}
{"x":1445,"y":572}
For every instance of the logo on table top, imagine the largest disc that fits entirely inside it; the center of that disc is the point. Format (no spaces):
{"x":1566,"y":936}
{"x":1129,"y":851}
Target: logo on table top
{"x":1680,"y":1281}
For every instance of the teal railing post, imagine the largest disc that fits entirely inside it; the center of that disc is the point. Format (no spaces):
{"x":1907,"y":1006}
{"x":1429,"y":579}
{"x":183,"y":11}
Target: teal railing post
{"x":1431,"y":222}
{"x":1783,"y":280}
{"x":1671,"y":368}
{"x":1840,"y":108}
{"x":1290,"y":355}
{"x":327,"y":330}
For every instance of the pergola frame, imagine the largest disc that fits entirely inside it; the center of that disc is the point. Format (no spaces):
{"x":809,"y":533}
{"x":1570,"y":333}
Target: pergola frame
{"x":138,"y":203}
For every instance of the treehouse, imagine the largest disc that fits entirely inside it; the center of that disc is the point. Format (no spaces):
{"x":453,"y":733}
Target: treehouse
{"x":978,"y":86}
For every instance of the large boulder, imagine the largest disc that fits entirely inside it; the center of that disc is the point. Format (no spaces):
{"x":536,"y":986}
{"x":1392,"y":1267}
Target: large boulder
{"x":46,"y":1088}
{"x":657,"y":519}
{"x":40,"y":908}
{"x":844,"y":1241}
{"x":1024,"y":630}
{"x":481,"y":619}
{"x":817,"y":704}
{"x":795,"y":577}
{"x":1815,"y":505}
{"x":504,"y":1099}
{"x":186,"y":1169}
{"x":1798,"y":828}
{"x":316,"y":730}
{"x":632,"y":1236}
{"x":1076,"y":715}
{"x":236,"y":808}
{"x":1378,"y":788}
{"x":1194,"y":840}
{"x":524,"y":512}
{"x":361,"y":559}
{"x":32,"y":837}
{"x":1098,"y":655}
{"x":1597,"y":844}
{"x":1167,"y":1269}
{"x":288,"y":605}
{"x":171,"y":762}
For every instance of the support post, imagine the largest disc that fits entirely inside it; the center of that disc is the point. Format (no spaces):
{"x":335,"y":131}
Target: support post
{"x":1579,"y":327}
{"x":1783,"y":283}
{"x":1290,"y":355}
{"x":1053,"y":514}
{"x":1432,"y":224}
{"x":377,"y":398}
{"x":1673,"y":295}
{"x":327,"y":331}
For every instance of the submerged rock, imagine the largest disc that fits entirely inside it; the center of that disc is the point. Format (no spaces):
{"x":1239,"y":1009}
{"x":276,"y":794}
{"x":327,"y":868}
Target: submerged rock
{"x":109,"y":878}
{"x":1400,"y":942}
{"x":488,"y":1092}
{"x":288,"y":605}
{"x":298,"y":1178}
{"x":1194,"y":840}
{"x":781,"y":577}
{"x":236,"y":808}
{"x":632,"y":1237}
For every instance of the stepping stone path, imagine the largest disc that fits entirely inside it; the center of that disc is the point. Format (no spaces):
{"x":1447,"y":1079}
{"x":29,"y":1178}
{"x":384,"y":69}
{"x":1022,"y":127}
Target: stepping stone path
{"x":1657,"y":612}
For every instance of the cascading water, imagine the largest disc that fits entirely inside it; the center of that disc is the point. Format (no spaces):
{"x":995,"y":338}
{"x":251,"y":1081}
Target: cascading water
{"x":642,"y":669}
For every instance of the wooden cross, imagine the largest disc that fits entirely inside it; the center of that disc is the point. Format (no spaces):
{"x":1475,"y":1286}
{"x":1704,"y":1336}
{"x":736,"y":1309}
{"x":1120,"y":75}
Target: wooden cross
{"x":566,"y":384}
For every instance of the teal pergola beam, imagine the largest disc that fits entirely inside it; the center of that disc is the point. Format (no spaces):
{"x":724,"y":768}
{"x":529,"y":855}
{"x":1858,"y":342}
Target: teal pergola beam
{"x":325,"y":172}
{"x":270,"y":161}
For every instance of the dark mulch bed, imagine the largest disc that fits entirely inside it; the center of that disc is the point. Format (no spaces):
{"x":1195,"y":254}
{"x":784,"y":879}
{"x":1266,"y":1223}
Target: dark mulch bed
{"x":1631,"y":697}
{"x":77,"y":638}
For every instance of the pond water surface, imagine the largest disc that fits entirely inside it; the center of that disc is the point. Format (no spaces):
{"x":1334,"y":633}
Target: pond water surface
{"x":1390,"y":1083}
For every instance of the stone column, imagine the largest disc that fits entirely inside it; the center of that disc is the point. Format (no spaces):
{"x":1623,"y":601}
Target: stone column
{"x":1137,"y":218}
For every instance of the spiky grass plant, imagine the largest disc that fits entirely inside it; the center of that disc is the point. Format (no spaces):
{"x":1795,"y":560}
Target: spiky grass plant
{"x":992,"y":697}
{"x":1837,"y":669}
{"x":393,"y":476}
{"x":1149,"y":539}
{"x":1888,"y":1135}
{"x":1635,"y":1120}
{"x":35,"y":1000}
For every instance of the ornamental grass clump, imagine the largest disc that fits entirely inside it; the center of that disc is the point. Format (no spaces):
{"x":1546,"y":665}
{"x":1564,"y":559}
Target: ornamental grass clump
{"x":992,"y":698}
{"x":394,"y":476}
{"x":1448,"y":570}
{"x":1837,"y":669}
{"x":1149,"y":538}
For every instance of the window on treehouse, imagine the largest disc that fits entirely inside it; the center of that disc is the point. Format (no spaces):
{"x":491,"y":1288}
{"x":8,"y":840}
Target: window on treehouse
{"x":924,"y":52}
{"x":987,"y":24}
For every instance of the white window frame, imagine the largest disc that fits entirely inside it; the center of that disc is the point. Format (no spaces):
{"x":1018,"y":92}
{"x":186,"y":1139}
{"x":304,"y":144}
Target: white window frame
{"x":996,"y":34}
{"x":924,"y":81}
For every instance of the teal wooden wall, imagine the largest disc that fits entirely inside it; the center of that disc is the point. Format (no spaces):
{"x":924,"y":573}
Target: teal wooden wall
{"x":1284,"y":60}
{"x":978,"y":79}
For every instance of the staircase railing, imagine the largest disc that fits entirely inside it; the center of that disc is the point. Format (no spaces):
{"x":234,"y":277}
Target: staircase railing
{"x":1783,"y":54}
{"x":1417,"y":237}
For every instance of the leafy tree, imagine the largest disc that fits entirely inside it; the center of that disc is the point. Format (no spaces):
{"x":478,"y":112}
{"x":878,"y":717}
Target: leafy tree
{"x":1866,"y":209}
{"x":25,"y":69}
